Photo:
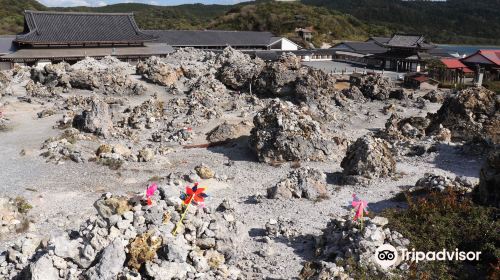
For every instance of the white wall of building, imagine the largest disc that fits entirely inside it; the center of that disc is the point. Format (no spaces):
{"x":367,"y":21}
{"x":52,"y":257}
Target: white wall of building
{"x":284,"y":44}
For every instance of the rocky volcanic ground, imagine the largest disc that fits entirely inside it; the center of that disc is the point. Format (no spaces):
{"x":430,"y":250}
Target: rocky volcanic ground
{"x":280,"y":147}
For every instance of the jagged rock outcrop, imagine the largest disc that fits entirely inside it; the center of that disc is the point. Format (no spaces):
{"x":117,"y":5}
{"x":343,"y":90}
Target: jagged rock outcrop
{"x":374,"y":86}
{"x":157,"y":71}
{"x":283,"y":132}
{"x":278,"y":77}
{"x":237,"y":69}
{"x":369,"y":157}
{"x":471,"y":114}
{"x":97,"y":120}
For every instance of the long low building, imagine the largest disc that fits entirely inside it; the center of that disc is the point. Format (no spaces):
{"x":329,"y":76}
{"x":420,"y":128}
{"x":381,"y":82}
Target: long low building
{"x":63,"y":36}
{"x":220,"y":39}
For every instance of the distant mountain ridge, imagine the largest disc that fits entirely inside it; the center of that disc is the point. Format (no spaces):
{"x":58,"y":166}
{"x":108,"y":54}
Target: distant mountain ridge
{"x":451,"y":21}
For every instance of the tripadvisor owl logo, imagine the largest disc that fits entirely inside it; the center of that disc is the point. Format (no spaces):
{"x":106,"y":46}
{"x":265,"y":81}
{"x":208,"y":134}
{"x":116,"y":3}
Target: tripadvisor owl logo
{"x":386,"y":255}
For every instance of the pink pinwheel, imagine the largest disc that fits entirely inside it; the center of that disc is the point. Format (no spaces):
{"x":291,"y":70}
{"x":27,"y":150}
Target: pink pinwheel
{"x":359,"y":207}
{"x":150,"y":192}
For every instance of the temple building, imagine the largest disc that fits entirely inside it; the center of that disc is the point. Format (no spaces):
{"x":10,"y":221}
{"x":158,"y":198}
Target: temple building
{"x":70,"y":37}
{"x":400,"y":53}
{"x":56,"y":36}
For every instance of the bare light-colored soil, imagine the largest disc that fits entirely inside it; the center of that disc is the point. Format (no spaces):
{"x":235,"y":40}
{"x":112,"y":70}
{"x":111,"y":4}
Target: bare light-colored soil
{"x":62,"y":195}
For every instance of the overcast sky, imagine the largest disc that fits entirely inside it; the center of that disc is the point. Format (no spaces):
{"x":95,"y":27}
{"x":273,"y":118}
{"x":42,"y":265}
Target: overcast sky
{"x":68,"y":3}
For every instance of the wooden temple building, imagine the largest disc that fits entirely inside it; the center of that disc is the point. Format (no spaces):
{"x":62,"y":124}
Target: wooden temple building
{"x":400,"y":53}
{"x":70,"y":37}
{"x":56,"y":36}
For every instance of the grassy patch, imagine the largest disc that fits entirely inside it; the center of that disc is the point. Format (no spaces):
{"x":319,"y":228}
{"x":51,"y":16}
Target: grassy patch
{"x":448,"y":221}
{"x":22,"y":205}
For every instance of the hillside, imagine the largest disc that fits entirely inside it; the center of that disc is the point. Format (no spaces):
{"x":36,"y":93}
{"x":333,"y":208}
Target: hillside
{"x":190,"y":16}
{"x":453,"y":21}
{"x":11,"y":14}
{"x":459,"y":21}
{"x":283,"y":18}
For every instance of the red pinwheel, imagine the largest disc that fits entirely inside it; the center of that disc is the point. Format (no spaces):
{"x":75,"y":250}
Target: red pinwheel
{"x":194,"y":195}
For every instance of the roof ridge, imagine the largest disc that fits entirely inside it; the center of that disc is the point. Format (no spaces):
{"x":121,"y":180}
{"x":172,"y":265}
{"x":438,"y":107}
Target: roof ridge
{"x":208,"y":30}
{"x":77,"y":13}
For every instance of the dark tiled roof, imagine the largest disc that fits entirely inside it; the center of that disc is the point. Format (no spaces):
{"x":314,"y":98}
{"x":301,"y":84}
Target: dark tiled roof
{"x":6,"y":44}
{"x":188,"y":38}
{"x":408,"y":41}
{"x":79,"y":28}
{"x":369,"y":47}
{"x":380,"y":40}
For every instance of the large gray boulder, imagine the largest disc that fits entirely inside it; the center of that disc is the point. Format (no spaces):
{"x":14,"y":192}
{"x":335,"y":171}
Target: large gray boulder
{"x":97,"y":120}
{"x":43,"y":269}
{"x":110,"y":263}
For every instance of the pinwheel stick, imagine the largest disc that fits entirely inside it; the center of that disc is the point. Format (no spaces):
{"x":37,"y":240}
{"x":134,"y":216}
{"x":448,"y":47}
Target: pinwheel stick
{"x":182,"y":217}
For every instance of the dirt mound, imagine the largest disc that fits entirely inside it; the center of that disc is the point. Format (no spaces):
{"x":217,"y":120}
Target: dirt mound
{"x":471,"y":114}
{"x":369,"y":157}
{"x":283,"y":132}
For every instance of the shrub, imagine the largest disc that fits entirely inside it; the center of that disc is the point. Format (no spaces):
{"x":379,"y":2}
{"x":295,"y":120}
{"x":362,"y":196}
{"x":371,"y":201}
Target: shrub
{"x":448,"y":221}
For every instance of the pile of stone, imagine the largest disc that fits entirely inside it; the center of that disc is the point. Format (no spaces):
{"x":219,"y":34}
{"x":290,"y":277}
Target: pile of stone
{"x":472,"y":114}
{"x":373,"y":86}
{"x":489,"y":180}
{"x":238,"y":70}
{"x":278,"y":77}
{"x":431,"y":182}
{"x":4,"y":122}
{"x":129,"y":239}
{"x":13,"y":216}
{"x":108,"y":76}
{"x":435,"y":96}
{"x":368,"y":158}
{"x":316,"y":90}
{"x":408,"y":136}
{"x":64,"y":147}
{"x":282,"y":132}
{"x":303,"y":182}
{"x":159,"y":72}
{"x":5,"y":80}
{"x":344,"y":240}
